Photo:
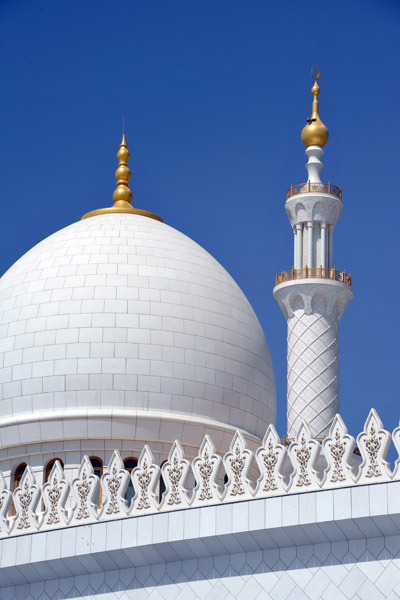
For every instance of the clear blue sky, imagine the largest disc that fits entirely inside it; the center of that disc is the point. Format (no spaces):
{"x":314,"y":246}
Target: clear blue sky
{"x":215,"y":95}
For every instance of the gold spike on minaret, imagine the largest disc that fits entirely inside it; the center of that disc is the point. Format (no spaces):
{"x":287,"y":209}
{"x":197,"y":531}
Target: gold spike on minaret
{"x":315,"y":133}
{"x":122,"y":194}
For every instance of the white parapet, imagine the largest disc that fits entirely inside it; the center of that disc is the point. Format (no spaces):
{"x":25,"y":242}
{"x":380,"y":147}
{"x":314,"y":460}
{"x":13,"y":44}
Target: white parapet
{"x":73,"y":498}
{"x":312,"y":308}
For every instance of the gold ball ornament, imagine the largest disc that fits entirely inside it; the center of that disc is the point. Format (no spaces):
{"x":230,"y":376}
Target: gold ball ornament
{"x":315,"y":133}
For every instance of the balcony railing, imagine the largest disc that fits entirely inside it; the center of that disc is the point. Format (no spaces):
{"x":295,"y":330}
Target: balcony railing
{"x":315,"y":272}
{"x":304,"y":188}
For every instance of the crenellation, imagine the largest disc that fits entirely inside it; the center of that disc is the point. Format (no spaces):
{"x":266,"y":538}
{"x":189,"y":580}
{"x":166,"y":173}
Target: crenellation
{"x":74,"y":494}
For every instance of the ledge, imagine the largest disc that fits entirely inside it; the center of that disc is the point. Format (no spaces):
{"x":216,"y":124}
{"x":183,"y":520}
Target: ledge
{"x":367,"y":511}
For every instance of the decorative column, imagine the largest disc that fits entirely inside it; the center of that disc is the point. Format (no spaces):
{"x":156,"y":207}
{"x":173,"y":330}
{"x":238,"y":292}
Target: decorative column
{"x":330,"y":248}
{"x":323,"y":245}
{"x":299,"y":239}
{"x":310,"y":244}
{"x":314,"y":305}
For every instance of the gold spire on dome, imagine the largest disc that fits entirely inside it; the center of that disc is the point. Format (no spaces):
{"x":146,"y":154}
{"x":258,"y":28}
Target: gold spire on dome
{"x":123,"y":174}
{"x":315,"y":133}
{"x":122,"y":194}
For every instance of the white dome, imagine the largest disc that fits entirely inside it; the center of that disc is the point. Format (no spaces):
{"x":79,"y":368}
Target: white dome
{"x":123,"y":313}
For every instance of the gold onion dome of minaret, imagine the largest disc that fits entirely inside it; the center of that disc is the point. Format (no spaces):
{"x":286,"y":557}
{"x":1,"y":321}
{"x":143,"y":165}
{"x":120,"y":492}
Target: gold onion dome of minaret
{"x":122,"y":194}
{"x":315,"y":133}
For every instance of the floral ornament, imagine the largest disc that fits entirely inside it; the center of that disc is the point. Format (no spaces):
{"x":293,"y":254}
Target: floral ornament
{"x":237,"y":463}
{"x":54,"y":496}
{"x":373,"y":444}
{"x":303,"y":454}
{"x":337,"y":453}
{"x":55,"y":493}
{"x":26,"y":498}
{"x":237,"y":466}
{"x":25,"y":501}
{"x":338,"y":448}
{"x":206,"y":467}
{"x":84,"y":488}
{"x":270,"y":458}
{"x":145,"y":479}
{"x":114,"y":484}
{"x":174,"y":473}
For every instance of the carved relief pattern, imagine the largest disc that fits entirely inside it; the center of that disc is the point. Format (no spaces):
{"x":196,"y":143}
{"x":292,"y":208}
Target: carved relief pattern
{"x":54,"y":494}
{"x":338,"y":449}
{"x":337,"y":452}
{"x":205,"y":470}
{"x":237,"y":464}
{"x":373,"y":445}
{"x":25,"y":500}
{"x":83,"y":488}
{"x":144,"y":479}
{"x":175,"y":472}
{"x":270,"y":459}
{"x":113,"y":484}
{"x":303,"y":455}
{"x":174,"y":476}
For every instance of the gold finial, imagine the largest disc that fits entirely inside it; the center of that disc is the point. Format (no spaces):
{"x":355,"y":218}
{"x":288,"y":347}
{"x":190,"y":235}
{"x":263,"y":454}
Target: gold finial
{"x":315,"y":133}
{"x":122,"y":194}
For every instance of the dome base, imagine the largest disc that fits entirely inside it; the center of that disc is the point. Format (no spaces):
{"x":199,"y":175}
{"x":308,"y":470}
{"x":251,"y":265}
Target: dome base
{"x":125,"y":210}
{"x":99,"y":430}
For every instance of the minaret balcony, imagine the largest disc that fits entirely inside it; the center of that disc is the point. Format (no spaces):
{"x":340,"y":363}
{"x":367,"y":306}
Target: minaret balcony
{"x":313,"y":272}
{"x":306,"y":188}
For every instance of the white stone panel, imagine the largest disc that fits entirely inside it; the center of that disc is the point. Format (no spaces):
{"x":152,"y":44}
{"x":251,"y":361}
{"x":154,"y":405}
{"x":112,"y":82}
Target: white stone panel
{"x":127,"y":296}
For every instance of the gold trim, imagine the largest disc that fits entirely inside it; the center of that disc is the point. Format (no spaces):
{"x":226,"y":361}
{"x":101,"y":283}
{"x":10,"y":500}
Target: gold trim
{"x":305,"y":188}
{"x":313,"y":272}
{"x":125,"y":210}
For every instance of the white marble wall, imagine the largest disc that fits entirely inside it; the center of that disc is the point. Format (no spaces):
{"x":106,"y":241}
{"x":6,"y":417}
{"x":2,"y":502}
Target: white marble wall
{"x":355,"y":570}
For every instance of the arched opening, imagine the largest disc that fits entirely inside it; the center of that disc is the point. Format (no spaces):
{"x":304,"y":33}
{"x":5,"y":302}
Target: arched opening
{"x":97,"y":465}
{"x":162,"y":487}
{"x":129,"y":464}
{"x":19,"y":471}
{"x":50,"y":465}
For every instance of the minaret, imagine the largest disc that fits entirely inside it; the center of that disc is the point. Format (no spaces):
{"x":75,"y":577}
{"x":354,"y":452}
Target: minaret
{"x":313,"y":294}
